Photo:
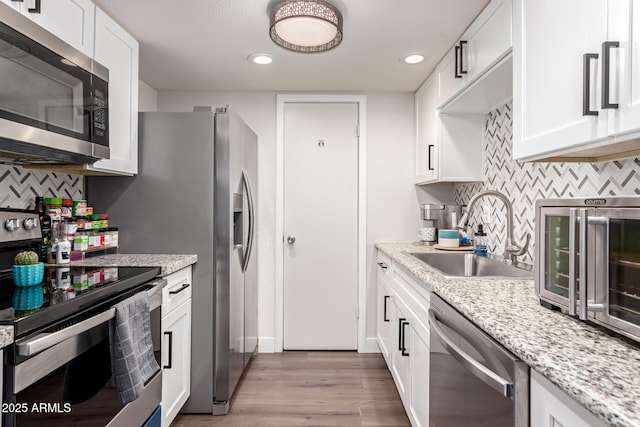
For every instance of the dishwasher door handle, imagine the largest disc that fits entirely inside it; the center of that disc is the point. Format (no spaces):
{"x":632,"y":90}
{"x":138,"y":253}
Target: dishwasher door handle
{"x":480,"y":371}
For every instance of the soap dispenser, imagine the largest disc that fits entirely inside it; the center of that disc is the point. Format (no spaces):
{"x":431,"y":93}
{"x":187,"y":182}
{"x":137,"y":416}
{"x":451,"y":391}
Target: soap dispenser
{"x":480,"y":241}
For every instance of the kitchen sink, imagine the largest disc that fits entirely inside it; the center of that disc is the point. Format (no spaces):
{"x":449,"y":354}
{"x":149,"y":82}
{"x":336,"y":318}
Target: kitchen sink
{"x":469,"y":265}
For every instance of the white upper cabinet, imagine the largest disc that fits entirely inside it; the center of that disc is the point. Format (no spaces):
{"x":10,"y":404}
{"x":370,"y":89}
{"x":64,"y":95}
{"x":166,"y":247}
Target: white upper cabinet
{"x":426,"y":103}
{"x":483,"y":44}
{"x":576,"y":79}
{"x":70,"y":20}
{"x":118,"y":51}
{"x":624,"y":23}
{"x":448,"y":146}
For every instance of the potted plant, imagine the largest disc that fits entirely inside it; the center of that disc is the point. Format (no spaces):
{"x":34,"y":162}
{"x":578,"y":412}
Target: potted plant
{"x":27,"y":271}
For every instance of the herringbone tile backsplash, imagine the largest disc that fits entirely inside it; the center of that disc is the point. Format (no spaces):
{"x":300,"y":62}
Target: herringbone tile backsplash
{"x":524,"y":183}
{"x":19,"y":186}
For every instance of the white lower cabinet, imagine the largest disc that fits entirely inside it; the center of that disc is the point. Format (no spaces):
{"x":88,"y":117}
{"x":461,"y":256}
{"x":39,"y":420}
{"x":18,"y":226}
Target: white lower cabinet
{"x":419,"y":367}
{"x":551,"y":407}
{"x":176,"y":344}
{"x":384,"y":318}
{"x":404,"y":338}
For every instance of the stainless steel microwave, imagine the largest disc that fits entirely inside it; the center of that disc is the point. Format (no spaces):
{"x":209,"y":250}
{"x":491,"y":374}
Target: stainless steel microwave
{"x":587,"y":260}
{"x":53,"y":98}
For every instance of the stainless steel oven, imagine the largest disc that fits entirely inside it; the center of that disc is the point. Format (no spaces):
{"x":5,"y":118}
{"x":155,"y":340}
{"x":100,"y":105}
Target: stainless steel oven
{"x":62,"y":374}
{"x":53,"y":99}
{"x":587,"y":260}
{"x":473,"y":381}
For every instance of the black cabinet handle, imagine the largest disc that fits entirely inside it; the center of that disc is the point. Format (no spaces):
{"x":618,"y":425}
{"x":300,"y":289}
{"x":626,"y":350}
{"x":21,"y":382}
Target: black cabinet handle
{"x":400,"y":328}
{"x":170,"y":334}
{"x":383,"y":265}
{"x":606,"y":82}
{"x":404,"y":347}
{"x":429,"y":165}
{"x":184,"y":286}
{"x":35,"y":9}
{"x":384,"y":316}
{"x":462,"y":70}
{"x":586,"y":84}
{"x":455,"y":72}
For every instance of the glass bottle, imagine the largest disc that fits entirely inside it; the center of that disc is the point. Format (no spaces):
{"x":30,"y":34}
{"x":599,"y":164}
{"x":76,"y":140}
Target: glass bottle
{"x":45,"y":228}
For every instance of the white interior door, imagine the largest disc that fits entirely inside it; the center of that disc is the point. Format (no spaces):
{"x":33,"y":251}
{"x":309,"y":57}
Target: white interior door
{"x":321,"y":214}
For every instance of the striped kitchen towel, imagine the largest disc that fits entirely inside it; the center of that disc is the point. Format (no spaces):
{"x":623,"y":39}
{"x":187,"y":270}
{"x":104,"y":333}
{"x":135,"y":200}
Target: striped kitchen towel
{"x":131,"y":346}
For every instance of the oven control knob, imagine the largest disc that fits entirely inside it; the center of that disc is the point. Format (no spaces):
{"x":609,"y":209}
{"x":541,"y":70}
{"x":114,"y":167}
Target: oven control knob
{"x":29,"y":223}
{"x":12,"y":224}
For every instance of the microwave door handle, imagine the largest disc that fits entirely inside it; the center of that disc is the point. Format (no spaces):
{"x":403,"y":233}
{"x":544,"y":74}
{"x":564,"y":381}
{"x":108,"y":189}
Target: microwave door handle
{"x":593,"y":305}
{"x":584,"y":245}
{"x":484,"y":374}
{"x":573,"y":219}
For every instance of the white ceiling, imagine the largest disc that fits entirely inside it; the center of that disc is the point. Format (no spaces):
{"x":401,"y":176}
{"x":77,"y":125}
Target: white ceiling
{"x":202,"y":45}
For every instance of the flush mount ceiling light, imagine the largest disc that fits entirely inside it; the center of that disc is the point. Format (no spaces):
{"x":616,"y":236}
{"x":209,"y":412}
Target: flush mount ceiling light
{"x":307,"y":26}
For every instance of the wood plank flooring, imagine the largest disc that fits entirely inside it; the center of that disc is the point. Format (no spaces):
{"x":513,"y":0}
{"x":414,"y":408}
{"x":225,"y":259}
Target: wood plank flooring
{"x":311,"y":389}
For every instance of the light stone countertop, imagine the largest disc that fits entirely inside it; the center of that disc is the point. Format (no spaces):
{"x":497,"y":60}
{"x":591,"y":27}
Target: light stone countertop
{"x":168,"y":263}
{"x":6,"y":335}
{"x":600,"y":371}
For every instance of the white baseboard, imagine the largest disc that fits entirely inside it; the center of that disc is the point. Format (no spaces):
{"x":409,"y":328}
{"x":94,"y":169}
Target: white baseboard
{"x":370,"y":346}
{"x":266,"y":345}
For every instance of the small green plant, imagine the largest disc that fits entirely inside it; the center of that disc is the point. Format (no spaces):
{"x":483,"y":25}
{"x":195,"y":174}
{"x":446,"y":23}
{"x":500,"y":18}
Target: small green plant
{"x":26,"y":258}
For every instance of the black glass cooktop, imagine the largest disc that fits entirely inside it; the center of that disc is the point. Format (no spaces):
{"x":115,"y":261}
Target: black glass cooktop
{"x":65,"y":292}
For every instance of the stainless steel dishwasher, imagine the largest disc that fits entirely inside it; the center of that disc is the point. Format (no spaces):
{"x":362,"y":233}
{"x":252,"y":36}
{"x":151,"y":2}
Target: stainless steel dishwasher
{"x":473,"y":380}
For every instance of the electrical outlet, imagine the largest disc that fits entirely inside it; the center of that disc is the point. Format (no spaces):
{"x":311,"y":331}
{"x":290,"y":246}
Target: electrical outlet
{"x":486,"y":213}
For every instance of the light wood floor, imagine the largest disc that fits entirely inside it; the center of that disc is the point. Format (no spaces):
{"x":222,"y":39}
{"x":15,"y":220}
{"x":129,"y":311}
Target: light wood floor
{"x":311,"y":389}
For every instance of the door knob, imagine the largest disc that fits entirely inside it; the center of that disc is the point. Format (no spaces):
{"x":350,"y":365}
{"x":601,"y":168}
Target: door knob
{"x":291,"y":240}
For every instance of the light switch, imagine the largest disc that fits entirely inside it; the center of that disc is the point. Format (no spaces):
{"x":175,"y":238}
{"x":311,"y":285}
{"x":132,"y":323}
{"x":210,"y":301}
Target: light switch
{"x":486,"y":213}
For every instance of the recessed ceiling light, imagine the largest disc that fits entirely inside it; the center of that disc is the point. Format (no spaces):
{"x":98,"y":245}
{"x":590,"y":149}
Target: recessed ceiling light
{"x":260,"y":58}
{"x":414,"y":58}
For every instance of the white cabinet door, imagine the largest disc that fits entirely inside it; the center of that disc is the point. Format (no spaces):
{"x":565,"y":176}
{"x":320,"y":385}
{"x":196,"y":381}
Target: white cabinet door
{"x":70,"y":20}
{"x":426,"y":147}
{"x":176,"y":363}
{"x":450,"y":81}
{"x":419,"y":384}
{"x":487,"y":40}
{"x":551,"y":39}
{"x":118,"y":51}
{"x":551,"y":407}
{"x":624,"y":83}
{"x":399,"y":357}
{"x":384,"y":318}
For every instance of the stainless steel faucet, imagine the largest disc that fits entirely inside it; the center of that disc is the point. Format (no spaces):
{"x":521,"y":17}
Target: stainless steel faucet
{"x":511,"y":250}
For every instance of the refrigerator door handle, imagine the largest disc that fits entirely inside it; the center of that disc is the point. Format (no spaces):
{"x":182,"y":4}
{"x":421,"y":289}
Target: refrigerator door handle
{"x":249,"y":245}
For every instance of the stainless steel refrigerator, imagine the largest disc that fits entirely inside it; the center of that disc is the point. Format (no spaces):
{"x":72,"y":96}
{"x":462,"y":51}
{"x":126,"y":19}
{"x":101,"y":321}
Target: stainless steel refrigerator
{"x":195,"y":193}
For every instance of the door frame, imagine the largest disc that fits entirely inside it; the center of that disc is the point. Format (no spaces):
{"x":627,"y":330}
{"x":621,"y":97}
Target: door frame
{"x":361,"y":101}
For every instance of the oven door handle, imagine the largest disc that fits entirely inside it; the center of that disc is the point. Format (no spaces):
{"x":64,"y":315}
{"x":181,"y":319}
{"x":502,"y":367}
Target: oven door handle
{"x":480,"y":371}
{"x":44,"y":341}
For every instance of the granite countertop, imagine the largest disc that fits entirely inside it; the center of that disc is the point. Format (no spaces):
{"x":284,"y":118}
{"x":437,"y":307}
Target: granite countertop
{"x":6,"y":335}
{"x":168,"y":263}
{"x":600,"y":371}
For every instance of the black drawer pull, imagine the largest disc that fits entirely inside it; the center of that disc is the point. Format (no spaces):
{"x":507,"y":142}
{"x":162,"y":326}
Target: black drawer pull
{"x":586,"y":84}
{"x":606,"y":81}
{"x":168,"y":365}
{"x":462,"y":70}
{"x":35,"y":9}
{"x":384,"y":316}
{"x":184,"y":286}
{"x":383,"y":265}
{"x":400,"y":340}
{"x":404,"y":347}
